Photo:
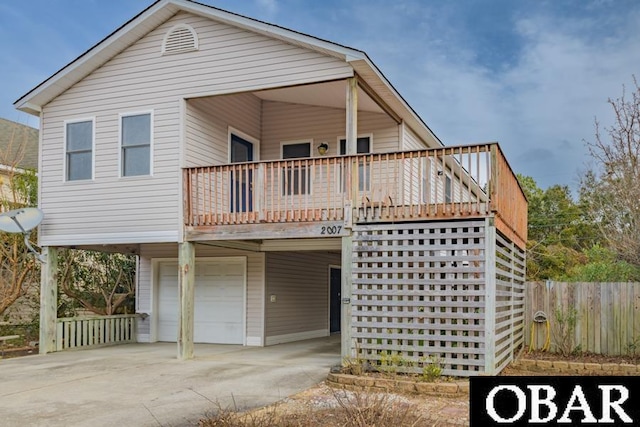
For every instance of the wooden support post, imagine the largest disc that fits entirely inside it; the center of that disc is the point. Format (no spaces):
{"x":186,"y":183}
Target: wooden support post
{"x":351,"y":144}
{"x":489,"y":296}
{"x":345,"y":294}
{"x":48,"y":300}
{"x":186,"y":285}
{"x":352,"y":116}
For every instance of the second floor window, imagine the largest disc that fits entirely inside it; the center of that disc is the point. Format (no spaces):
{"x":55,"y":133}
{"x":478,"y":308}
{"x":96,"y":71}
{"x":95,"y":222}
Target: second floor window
{"x":363,"y":146}
{"x":79,"y":150}
{"x":136,"y":144}
{"x":296,"y":180}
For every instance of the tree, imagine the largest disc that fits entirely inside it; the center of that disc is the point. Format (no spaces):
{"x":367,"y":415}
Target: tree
{"x":558,"y":231}
{"x":611,"y":189}
{"x":555,"y":218}
{"x":18,"y":188}
{"x":100,"y":282}
{"x":602,"y":266}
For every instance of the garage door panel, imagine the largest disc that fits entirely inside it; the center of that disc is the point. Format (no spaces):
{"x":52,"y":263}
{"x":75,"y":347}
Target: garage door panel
{"x":219,"y":302}
{"x":212,"y":330}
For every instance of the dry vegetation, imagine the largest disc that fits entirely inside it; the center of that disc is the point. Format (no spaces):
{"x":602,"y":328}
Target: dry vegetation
{"x":324,"y":406}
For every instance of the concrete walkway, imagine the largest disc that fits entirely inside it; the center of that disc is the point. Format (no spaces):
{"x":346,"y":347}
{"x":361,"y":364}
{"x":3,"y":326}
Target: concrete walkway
{"x":145,"y":385}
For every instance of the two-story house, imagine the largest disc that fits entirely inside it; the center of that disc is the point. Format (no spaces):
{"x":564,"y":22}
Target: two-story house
{"x":276,"y":187}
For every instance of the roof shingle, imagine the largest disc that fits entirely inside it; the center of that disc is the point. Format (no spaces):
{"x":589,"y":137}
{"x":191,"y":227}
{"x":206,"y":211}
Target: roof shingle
{"x":18,"y":145}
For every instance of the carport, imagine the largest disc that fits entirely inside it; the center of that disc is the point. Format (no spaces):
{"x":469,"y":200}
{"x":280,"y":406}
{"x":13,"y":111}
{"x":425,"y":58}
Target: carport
{"x":144,"y":384}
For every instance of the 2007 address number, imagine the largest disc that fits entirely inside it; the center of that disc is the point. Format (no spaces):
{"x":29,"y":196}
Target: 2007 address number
{"x":331,"y":230}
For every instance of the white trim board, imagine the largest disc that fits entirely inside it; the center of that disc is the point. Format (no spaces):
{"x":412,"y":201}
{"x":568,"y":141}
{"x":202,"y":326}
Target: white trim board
{"x":297,"y":336}
{"x":160,"y":236}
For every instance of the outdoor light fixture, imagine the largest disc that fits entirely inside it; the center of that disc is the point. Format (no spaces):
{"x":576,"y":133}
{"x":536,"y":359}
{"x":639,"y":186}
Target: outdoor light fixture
{"x":323,"y":148}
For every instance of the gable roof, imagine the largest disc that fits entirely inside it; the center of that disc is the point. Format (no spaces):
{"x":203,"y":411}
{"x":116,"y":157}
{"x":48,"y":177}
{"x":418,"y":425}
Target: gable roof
{"x":162,"y":10}
{"x":19,"y":144}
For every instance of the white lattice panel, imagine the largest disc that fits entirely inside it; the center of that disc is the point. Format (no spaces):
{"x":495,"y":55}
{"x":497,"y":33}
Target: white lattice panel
{"x":419,"y":292}
{"x":510,"y":295}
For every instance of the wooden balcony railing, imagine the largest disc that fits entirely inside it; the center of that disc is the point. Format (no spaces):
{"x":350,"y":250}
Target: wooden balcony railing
{"x":465,"y":181}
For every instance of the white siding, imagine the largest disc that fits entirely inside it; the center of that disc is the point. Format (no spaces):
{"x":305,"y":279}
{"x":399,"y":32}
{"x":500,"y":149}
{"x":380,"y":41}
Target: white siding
{"x":411,"y":141}
{"x":296,"y":122}
{"x":146,"y":209}
{"x":300,"y":283}
{"x":207,"y":126}
{"x":255,"y":285}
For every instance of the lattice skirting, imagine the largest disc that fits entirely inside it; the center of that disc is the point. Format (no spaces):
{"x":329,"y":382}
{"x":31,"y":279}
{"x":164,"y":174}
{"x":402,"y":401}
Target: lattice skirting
{"x":419,"y":296}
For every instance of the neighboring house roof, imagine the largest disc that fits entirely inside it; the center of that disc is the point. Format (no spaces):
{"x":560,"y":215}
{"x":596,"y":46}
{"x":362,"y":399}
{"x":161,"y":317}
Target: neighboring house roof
{"x":162,"y":10}
{"x":21,"y":141}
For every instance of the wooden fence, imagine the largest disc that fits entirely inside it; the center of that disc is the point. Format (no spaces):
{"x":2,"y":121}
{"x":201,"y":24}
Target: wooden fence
{"x":75,"y":332}
{"x":607,"y":315}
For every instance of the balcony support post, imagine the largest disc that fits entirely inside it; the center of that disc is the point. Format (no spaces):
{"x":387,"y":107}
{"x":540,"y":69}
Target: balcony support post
{"x":352,"y":116}
{"x":352,"y":136}
{"x":186,"y":285}
{"x":347,"y":351}
{"x":48,"y":300}
{"x":490,"y":297}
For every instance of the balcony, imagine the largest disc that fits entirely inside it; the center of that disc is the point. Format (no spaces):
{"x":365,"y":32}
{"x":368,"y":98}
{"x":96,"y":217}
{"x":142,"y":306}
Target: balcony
{"x":235,"y":200}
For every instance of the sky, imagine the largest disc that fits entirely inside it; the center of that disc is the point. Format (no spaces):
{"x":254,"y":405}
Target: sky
{"x":531,"y":74}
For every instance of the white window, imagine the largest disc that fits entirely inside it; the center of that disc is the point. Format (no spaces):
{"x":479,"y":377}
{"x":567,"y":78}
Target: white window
{"x":79,"y":150}
{"x":296,"y":179}
{"x":448,"y":189}
{"x":135,"y":142}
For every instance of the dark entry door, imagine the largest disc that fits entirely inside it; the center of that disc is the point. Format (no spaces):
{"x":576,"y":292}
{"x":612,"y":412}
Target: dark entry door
{"x":241,"y":181}
{"x":334,"y":305}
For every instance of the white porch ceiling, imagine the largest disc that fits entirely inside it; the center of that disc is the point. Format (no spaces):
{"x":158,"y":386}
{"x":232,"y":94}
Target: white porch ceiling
{"x":329,"y":94}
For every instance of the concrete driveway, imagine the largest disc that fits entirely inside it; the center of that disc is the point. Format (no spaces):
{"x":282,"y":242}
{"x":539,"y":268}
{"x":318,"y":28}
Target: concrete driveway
{"x":145,"y":385}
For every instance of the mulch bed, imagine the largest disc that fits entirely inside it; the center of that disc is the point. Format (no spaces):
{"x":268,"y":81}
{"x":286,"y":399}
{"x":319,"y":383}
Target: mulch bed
{"x":580,"y":357}
{"x":576,"y":357}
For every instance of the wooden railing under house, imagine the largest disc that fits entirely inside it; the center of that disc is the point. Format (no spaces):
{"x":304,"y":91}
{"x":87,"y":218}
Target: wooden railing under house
{"x":90,"y":331}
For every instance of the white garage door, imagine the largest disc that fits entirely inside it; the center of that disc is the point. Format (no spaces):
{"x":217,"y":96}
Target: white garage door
{"x":219,"y":301}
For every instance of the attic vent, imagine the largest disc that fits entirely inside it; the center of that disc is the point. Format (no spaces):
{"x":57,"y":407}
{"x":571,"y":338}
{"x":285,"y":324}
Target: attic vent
{"x":180,"y":38}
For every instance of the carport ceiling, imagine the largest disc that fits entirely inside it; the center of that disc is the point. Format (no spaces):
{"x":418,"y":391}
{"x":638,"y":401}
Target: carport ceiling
{"x":330,"y":94}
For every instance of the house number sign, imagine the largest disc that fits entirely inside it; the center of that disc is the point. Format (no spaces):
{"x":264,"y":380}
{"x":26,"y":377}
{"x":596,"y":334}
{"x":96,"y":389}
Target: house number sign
{"x":330,"y":230}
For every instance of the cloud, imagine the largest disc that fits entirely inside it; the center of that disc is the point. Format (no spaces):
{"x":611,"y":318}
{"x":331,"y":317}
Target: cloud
{"x":270,"y":7}
{"x":530,"y":75}
{"x":539,"y":104}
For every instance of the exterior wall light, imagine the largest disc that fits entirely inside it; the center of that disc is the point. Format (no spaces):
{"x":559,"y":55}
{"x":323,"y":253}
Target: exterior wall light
{"x":323,"y":148}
